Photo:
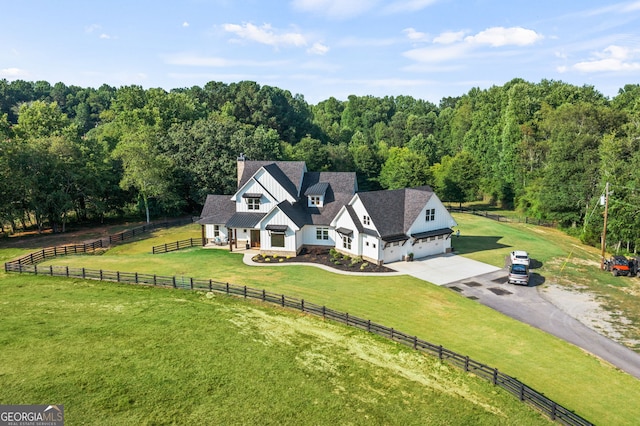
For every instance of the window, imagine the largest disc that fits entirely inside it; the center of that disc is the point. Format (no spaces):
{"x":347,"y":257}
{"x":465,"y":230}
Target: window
{"x":216,"y":231}
{"x":346,"y":242}
{"x":366,"y":220}
{"x":322,"y":233}
{"x":253,"y":203}
{"x":431,"y":215}
{"x":277,"y":239}
{"x":314,"y":200}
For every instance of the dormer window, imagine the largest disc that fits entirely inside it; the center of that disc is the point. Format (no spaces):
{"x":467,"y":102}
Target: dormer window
{"x":316,"y":193}
{"x":366,"y":220}
{"x":315,"y":201}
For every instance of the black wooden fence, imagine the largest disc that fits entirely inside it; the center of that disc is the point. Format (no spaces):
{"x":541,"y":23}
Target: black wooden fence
{"x":28,"y":264}
{"x":501,"y":218}
{"x":177,"y":245}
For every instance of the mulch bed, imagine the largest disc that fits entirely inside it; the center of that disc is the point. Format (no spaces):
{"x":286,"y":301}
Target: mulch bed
{"x":322,"y":256}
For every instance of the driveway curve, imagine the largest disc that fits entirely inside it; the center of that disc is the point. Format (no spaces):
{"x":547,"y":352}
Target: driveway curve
{"x":534,"y":307}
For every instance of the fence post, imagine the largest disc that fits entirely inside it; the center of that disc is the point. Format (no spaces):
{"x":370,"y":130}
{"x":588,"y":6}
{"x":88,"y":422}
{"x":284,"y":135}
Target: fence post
{"x":263,"y":295}
{"x":191,"y":282}
{"x":51,"y":270}
{"x":100,"y":274}
{"x":347,"y":315}
{"x":227,"y":288}
{"x":324,"y":311}
{"x":521,"y":391}
{"x":391,"y":333}
{"x":302,"y":305}
{"x":83,"y":273}
{"x":495,"y":376}
{"x":282,"y":300}
{"x":136,"y":277}
{"x":369,"y":326}
{"x":415,"y":342}
{"x":174,"y":281}
{"x":553,"y":410}
{"x":440,"y":352}
{"x":154,"y":280}
{"x":117,"y":276}
{"x":466,"y":363}
{"x":245,"y":291}
{"x":210,"y":284}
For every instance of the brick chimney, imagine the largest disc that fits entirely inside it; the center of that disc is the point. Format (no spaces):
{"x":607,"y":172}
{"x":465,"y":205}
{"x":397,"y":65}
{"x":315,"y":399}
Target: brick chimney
{"x":240,"y":167}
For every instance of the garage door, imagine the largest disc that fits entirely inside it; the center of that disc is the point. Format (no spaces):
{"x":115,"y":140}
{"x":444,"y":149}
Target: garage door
{"x":393,"y":253}
{"x":429,"y":248}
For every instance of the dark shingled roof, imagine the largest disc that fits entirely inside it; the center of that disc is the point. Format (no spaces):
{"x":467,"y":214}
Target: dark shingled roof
{"x":394,"y":211}
{"x":217,"y":210}
{"x":341,"y":186}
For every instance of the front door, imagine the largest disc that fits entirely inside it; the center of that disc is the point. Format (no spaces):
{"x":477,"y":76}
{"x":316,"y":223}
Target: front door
{"x":255,"y":238}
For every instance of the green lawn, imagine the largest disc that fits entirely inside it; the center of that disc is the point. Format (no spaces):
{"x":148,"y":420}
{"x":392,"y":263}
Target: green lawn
{"x":561,"y":371}
{"x":126,"y":355}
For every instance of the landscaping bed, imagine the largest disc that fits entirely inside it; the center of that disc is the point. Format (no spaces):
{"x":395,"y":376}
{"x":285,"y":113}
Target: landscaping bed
{"x":327,"y":257}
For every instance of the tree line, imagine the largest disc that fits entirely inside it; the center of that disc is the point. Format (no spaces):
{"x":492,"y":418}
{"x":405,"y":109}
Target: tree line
{"x":70,"y":153}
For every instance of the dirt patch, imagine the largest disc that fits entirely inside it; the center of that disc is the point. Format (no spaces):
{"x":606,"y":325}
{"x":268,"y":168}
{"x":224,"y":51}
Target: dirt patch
{"x":324,"y":257}
{"x":584,"y":306}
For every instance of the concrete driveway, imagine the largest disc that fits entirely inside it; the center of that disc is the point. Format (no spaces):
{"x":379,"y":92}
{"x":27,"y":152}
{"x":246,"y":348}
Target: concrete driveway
{"x":488,"y":285}
{"x":443,"y":269}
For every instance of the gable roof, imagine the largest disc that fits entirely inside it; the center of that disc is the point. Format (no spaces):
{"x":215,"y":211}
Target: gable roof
{"x":217,"y":209}
{"x":394,"y":211}
{"x":288,"y":173}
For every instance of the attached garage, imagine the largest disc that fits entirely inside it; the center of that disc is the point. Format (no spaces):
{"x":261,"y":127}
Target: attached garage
{"x":431,"y":242}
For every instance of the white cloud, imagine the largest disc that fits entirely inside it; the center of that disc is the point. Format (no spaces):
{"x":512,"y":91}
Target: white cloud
{"x":500,"y":36}
{"x":449,"y":37}
{"x":613,"y":58}
{"x":336,"y":9}
{"x":266,"y":35}
{"x":11,"y":73}
{"x":318,"y":49}
{"x":185,"y":24}
{"x":415,"y":36}
{"x":91,"y":28}
{"x":105,"y":36}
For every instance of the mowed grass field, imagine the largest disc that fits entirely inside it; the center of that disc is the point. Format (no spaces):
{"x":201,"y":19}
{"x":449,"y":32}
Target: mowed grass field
{"x":563,"y":372}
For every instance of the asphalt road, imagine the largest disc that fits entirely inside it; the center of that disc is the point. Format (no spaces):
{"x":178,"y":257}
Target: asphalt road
{"x":528,"y":305}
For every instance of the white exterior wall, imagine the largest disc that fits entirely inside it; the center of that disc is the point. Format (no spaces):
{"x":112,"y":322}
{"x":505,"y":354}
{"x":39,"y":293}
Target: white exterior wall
{"x":272,"y":186}
{"x":358,"y":207}
{"x":393,"y":253}
{"x":344,"y":221}
{"x":209,"y":232}
{"x":371,"y":247}
{"x":276,"y":217}
{"x":435,"y":245}
{"x":266,"y":201}
{"x":308,"y":236}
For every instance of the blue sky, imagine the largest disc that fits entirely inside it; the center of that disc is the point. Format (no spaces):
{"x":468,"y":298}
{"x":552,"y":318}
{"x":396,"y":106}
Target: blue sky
{"x":427,"y":49}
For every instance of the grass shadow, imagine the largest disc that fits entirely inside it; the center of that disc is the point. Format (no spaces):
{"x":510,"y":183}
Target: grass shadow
{"x":473,"y":243}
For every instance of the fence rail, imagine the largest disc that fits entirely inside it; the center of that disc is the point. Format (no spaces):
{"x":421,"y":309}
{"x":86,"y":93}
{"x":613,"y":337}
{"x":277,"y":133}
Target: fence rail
{"x":177,"y":245}
{"x":523,"y":392}
{"x":501,"y":218}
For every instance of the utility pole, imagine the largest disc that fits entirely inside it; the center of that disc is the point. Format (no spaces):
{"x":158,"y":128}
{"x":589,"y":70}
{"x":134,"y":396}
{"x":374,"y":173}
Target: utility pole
{"x":604,"y":228}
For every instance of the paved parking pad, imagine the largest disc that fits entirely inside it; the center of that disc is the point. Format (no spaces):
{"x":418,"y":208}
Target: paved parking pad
{"x":444,"y":269}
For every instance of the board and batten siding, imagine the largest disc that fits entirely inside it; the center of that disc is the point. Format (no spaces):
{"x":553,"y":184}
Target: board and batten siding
{"x":276,"y":217}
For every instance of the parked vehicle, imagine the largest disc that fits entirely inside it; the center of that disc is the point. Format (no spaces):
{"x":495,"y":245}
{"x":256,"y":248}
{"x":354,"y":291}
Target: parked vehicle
{"x":520,"y":256}
{"x":618,"y":265}
{"x":519,"y":272}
